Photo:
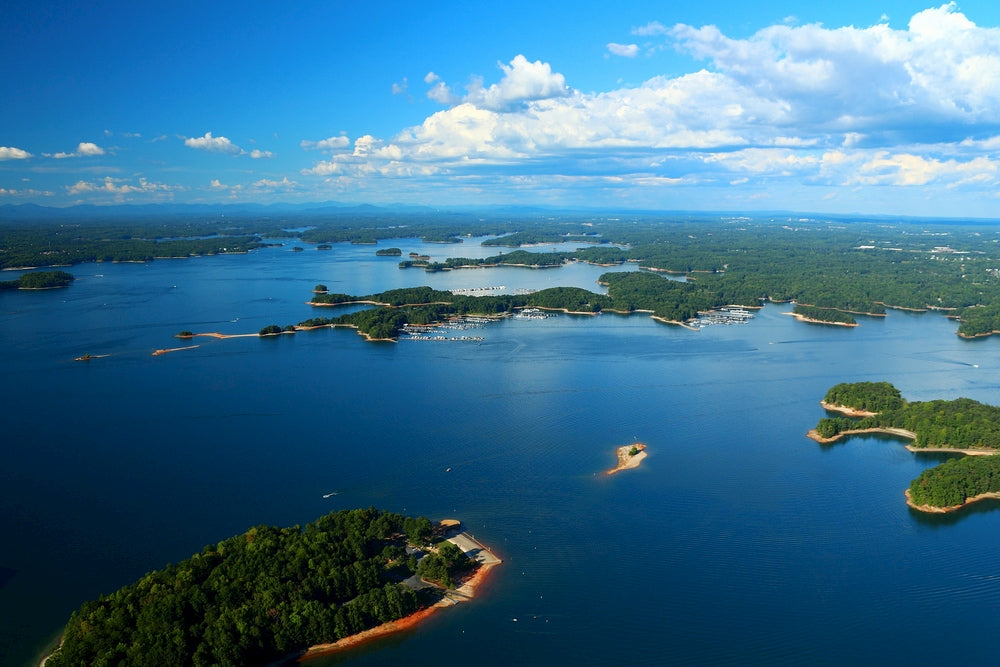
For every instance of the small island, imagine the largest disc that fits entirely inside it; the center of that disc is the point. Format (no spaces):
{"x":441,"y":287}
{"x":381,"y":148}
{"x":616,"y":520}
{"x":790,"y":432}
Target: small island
{"x":629,"y":456}
{"x":961,"y":426}
{"x":388,"y":252}
{"x":39,"y":280}
{"x":275,"y":594}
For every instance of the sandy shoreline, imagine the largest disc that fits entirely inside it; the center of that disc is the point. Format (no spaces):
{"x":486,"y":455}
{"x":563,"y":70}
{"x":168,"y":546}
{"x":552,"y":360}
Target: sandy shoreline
{"x":903,"y":433}
{"x":627,"y":460}
{"x":810,"y":320}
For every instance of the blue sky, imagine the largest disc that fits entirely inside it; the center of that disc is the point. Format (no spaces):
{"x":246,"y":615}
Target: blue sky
{"x":880,"y":108}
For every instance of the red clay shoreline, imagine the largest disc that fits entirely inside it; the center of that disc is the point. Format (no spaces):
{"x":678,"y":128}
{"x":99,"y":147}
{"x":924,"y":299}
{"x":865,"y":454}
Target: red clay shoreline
{"x":393,"y":627}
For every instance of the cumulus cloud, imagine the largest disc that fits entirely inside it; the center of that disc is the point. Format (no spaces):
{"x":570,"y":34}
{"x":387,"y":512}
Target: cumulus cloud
{"x":624,"y":50}
{"x":802,"y":104}
{"x":522,"y":82}
{"x":213,"y":144}
{"x":11,"y":153}
{"x":269,"y":184}
{"x":83,"y":149}
{"x":120,"y":189}
{"x":259,"y":154}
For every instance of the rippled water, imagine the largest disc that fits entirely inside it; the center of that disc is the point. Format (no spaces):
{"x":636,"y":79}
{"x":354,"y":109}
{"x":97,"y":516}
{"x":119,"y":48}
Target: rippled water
{"x":738,"y":540}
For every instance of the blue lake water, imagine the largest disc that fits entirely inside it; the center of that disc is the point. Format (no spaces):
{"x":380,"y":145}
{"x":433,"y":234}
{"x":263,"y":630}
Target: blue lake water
{"x":738,"y":540}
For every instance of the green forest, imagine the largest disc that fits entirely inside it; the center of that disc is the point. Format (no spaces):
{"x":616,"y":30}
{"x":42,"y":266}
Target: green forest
{"x":961,"y":423}
{"x":834,"y":264}
{"x":265,"y":594}
{"x":954,"y":482}
{"x":39,"y":280}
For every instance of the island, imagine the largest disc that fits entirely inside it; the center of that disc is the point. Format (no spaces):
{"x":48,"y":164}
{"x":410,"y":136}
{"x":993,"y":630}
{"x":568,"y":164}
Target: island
{"x":629,"y":456}
{"x":960,"y":426}
{"x":835,"y":264}
{"x":281,"y":593}
{"x":39,"y":280}
{"x":388,"y":252}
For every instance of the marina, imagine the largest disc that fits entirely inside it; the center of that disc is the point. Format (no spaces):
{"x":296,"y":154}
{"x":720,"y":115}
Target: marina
{"x":725,"y":316}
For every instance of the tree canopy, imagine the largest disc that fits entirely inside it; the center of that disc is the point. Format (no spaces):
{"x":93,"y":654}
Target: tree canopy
{"x":255,"y":597}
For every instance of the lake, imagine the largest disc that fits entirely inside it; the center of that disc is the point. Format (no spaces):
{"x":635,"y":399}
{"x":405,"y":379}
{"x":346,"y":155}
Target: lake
{"x":737,"y":541}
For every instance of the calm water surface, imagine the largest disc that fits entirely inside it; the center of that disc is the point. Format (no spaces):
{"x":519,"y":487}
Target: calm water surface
{"x":738,"y":541}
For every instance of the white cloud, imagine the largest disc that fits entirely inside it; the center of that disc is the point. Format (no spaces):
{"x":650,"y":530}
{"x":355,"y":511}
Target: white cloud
{"x":11,"y":153}
{"x":257,"y":154}
{"x":624,"y":50}
{"x":213,"y":144}
{"x":905,"y":169}
{"x":791,"y":104}
{"x":399,"y":88}
{"x":651,"y":29}
{"x":83,"y":149}
{"x":268,"y":184}
{"x":329,"y":144}
{"x":522,"y":82}
{"x":25,"y":192}
{"x":121,"y":190}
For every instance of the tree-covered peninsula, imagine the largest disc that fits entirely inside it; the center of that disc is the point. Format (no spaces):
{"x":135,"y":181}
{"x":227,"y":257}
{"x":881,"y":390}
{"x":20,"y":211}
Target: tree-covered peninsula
{"x":268,"y":593}
{"x":961,"y":425}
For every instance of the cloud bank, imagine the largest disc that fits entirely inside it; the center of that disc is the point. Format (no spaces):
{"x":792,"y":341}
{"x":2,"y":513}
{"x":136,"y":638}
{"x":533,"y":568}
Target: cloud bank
{"x":805,"y":105}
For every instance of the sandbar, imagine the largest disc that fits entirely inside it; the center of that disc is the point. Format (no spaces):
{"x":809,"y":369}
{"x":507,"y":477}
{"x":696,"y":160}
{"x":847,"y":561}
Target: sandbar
{"x":157,"y":353}
{"x":626,"y":459}
{"x":903,"y":433}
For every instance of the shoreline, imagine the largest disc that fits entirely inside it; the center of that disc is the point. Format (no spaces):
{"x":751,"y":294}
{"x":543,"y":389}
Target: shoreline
{"x":463,"y":592}
{"x":627,"y":461}
{"x":810,"y":320}
{"x":902,"y":433}
{"x":466,"y":590}
{"x":934,"y":509}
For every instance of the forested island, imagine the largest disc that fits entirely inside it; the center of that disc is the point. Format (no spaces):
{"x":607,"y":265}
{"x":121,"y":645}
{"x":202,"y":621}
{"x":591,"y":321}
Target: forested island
{"x":267,"y":594}
{"x":39,"y":280}
{"x":836,"y":266}
{"x":961,"y":425}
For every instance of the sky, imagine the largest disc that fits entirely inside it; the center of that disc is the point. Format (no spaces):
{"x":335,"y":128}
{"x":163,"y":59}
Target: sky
{"x":888,"y":107}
